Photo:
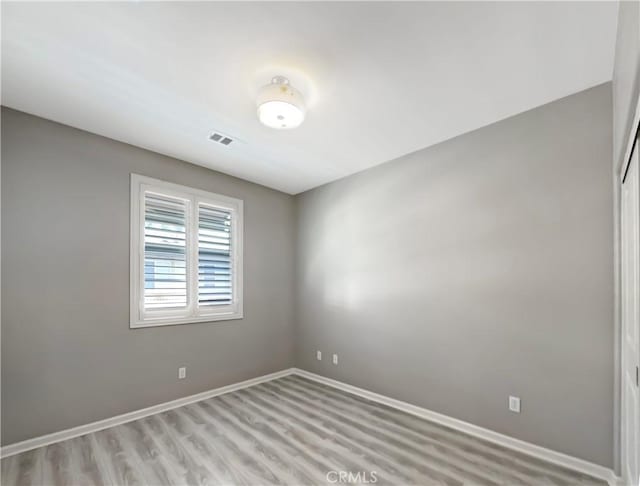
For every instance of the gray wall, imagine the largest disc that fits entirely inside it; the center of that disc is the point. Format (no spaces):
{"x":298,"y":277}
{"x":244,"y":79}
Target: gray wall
{"x":626,"y":74}
{"x":475,"y":269}
{"x":68,"y":355}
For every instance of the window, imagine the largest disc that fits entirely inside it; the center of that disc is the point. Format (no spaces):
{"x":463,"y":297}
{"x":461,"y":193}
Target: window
{"x":186,"y":254}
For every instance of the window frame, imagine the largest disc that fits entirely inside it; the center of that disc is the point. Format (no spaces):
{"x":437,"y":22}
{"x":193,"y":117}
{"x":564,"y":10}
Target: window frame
{"x":139,"y":318}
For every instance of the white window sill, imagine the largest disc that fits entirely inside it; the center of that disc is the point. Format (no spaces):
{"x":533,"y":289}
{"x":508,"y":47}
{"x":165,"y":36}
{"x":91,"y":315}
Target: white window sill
{"x":185,"y":320}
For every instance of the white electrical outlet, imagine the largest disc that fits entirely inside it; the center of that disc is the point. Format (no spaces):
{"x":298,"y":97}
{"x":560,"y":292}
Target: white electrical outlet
{"x":514,"y":404}
{"x":335,"y":359}
{"x":319,"y":355}
{"x":182,"y":373}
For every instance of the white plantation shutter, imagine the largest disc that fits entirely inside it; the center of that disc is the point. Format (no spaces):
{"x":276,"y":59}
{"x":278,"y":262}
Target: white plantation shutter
{"x":215,"y":285}
{"x":186,"y":254}
{"x":165,"y":252}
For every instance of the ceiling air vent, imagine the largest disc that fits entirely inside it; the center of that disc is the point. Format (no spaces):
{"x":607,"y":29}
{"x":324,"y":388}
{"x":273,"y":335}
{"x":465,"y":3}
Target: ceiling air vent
{"x":221,"y":138}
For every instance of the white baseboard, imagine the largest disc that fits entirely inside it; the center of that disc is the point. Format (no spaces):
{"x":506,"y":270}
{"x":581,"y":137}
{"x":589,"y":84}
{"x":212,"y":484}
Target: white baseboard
{"x":539,"y":452}
{"x":543,"y":453}
{"x":44,"y":440}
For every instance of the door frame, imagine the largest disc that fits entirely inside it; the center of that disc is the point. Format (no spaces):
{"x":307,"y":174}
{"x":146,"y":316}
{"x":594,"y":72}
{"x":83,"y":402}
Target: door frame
{"x":621,"y":165}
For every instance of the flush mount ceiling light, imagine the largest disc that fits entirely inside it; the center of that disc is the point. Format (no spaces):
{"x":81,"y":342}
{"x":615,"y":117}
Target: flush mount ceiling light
{"x":280,"y":105}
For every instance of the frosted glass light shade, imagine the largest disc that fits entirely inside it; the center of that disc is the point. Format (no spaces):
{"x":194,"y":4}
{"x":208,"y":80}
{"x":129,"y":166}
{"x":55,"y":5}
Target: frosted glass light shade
{"x":280,"y":105}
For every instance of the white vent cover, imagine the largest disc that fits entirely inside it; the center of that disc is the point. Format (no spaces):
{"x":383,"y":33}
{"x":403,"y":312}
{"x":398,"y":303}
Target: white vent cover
{"x":221,"y":138}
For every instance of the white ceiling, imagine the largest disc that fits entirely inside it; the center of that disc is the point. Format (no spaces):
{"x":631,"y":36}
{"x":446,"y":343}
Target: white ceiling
{"x":383,"y":79}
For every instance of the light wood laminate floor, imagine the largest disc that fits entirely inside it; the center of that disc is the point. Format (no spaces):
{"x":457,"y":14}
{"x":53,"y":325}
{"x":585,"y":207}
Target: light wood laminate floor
{"x":287,"y":431}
